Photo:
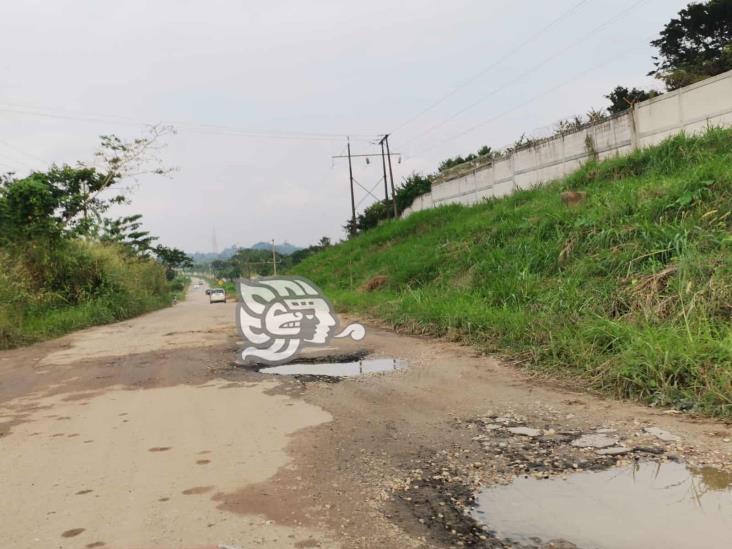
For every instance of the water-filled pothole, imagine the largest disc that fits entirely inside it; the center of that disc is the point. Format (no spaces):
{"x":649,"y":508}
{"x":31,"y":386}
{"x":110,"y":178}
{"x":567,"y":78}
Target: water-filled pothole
{"x":643,"y":505}
{"x":337,"y":369}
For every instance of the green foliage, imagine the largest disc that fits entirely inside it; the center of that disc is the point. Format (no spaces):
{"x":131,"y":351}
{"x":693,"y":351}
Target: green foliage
{"x":299,"y":255}
{"x":62,"y":265}
{"x":67,"y":201}
{"x":60,"y":202}
{"x":128,"y":232}
{"x":172,"y":259}
{"x":631,"y":291}
{"x":248,"y":262}
{"x":484,"y":153}
{"x":695,"y":45}
{"x":621,"y":98}
{"x":411,"y":187}
{"x":52,"y":290}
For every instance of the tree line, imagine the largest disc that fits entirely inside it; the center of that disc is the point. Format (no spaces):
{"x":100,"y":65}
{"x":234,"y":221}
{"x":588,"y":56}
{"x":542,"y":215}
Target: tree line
{"x":249,"y":262}
{"x":60,"y":248}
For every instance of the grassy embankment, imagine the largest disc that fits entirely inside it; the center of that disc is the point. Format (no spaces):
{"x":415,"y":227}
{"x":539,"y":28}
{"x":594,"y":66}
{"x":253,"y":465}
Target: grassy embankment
{"x":46,"y":292}
{"x":630,"y":291}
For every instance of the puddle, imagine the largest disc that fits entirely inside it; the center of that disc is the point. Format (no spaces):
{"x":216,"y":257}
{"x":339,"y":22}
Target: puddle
{"x":338,"y":369}
{"x":643,"y":505}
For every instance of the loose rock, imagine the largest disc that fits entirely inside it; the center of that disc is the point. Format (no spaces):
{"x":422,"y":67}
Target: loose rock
{"x":595,"y":441}
{"x":660,"y":434}
{"x":524,"y":431}
{"x":617,"y":451}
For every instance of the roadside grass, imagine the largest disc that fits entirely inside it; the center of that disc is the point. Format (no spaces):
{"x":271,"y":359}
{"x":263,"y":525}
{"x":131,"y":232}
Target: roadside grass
{"x":629,"y":292}
{"x":179,"y":287}
{"x":79,"y":285}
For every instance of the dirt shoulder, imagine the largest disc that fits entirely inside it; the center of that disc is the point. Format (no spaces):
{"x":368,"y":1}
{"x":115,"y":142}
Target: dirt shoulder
{"x":406,"y":449}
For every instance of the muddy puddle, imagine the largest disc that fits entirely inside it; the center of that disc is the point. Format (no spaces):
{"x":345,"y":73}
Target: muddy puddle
{"x":338,"y":369}
{"x":642,"y":505}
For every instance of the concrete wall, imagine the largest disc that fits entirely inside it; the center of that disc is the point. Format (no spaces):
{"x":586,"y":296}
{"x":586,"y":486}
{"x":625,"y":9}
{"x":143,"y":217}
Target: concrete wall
{"x":691,"y":109}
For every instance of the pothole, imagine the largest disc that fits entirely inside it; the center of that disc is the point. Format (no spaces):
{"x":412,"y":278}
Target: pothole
{"x":337,"y":369}
{"x":645,"y":504}
{"x":511,"y":484}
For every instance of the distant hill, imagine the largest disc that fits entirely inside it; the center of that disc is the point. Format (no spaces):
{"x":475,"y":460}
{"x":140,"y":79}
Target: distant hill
{"x":206,"y":257}
{"x":284,"y":249}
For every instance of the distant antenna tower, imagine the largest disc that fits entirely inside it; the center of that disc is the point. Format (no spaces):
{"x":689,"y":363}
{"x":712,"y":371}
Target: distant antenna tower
{"x":214,"y":245}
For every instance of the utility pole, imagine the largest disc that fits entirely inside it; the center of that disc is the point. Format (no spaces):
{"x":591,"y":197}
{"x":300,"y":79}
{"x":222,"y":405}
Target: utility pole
{"x":383,"y":165}
{"x":352,"y":180}
{"x":385,"y":139}
{"x":274,"y":259}
{"x":350,"y":177}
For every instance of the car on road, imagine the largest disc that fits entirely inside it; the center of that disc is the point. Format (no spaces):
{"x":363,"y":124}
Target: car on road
{"x":217,"y":295}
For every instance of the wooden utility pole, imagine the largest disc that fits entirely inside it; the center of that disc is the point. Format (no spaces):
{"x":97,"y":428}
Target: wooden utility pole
{"x":383,"y":165}
{"x":385,"y":140}
{"x":274,"y":259}
{"x":350,"y":178}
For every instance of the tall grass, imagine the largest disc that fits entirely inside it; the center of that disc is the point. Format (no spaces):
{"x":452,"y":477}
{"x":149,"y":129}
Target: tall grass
{"x":630,"y":292}
{"x":46,"y":292}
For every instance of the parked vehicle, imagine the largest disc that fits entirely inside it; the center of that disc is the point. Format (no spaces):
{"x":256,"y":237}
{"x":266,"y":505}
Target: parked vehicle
{"x":217,"y":295}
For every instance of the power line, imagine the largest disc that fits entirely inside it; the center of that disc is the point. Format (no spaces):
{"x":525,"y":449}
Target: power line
{"x":579,"y":75}
{"x":367,"y":190}
{"x":211,"y":129}
{"x":364,"y":197}
{"x":21,"y":151}
{"x":490,"y":67}
{"x":16,"y":159}
{"x":531,"y":70}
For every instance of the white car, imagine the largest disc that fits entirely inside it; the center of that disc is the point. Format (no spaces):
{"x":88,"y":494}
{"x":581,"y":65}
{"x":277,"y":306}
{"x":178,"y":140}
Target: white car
{"x":217,"y":295}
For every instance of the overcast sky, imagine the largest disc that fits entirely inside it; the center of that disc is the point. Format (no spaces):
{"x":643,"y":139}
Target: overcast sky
{"x":284,"y":81}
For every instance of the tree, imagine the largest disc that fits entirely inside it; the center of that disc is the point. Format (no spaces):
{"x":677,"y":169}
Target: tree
{"x":621,"y":98}
{"x":411,"y":188}
{"x":67,"y":201}
{"x":172,"y":259}
{"x":128,"y":232}
{"x":27,"y":211}
{"x":299,"y":255}
{"x":450,"y":163}
{"x":596,"y":116}
{"x":484,"y":151}
{"x":695,"y":45}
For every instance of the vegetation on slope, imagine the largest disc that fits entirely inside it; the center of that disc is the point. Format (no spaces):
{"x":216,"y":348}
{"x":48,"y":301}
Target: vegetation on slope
{"x":64,"y":265}
{"x":630,"y":291}
{"x":73,"y":286}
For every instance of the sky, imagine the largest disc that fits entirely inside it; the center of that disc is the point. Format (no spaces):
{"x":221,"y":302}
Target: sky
{"x":263,"y":94}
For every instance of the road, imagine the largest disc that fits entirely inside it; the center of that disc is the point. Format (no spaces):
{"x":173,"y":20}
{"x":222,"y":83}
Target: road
{"x":145,"y":434}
